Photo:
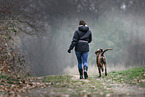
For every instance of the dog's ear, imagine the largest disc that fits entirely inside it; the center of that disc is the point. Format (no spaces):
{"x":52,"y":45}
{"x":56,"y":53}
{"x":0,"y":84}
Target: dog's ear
{"x":101,"y":50}
{"x":97,"y":51}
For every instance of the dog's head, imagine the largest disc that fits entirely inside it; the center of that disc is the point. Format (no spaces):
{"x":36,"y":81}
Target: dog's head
{"x":98,"y":51}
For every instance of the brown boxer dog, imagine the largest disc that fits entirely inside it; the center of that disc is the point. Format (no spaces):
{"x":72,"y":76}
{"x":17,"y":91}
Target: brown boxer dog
{"x":101,"y":60}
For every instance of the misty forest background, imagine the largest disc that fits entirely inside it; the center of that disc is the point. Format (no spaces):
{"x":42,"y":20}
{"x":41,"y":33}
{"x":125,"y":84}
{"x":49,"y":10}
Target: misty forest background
{"x":42,"y":31}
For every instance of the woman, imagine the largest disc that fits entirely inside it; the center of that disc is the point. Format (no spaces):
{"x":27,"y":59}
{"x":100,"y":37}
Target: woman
{"x":81,"y":39}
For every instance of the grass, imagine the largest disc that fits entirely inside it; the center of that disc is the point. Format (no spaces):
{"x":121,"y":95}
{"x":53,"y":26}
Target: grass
{"x":58,"y":80}
{"x":94,"y":85}
{"x":79,"y":87}
{"x":134,"y":76}
{"x":3,"y":76}
{"x":74,"y":87}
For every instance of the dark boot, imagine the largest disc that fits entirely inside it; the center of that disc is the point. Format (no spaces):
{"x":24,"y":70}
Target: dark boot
{"x":85,"y":72}
{"x":81,"y":73}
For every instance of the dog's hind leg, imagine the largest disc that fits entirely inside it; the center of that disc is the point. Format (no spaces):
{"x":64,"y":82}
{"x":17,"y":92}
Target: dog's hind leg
{"x":102,"y":69}
{"x":105,"y":69}
{"x":105,"y":63}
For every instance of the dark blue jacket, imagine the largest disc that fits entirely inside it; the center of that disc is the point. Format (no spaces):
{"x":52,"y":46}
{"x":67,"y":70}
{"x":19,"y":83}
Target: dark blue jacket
{"x":81,"y":39}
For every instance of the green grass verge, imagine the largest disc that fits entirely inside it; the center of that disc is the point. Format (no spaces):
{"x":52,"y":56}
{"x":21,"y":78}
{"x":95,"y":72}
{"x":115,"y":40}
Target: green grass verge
{"x":134,"y":76}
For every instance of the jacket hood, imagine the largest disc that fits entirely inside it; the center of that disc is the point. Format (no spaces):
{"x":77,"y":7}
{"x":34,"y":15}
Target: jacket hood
{"x":83,"y":28}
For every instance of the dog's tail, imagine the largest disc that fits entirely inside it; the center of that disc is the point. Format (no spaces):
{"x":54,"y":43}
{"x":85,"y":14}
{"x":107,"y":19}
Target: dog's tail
{"x":105,"y":51}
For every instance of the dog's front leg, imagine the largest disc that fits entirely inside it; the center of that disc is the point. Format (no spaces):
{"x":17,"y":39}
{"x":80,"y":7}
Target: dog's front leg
{"x":99,"y":71}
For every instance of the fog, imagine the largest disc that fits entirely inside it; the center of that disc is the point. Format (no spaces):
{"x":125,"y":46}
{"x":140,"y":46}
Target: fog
{"x":117,"y":24}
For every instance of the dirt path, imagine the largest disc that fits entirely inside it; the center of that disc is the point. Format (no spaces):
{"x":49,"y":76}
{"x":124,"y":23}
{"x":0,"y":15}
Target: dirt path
{"x":126,"y":90}
{"x":92,"y":87}
{"x":119,"y":90}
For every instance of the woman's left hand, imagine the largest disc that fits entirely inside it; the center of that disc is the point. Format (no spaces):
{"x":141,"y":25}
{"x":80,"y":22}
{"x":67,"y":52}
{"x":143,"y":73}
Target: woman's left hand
{"x":69,"y":51}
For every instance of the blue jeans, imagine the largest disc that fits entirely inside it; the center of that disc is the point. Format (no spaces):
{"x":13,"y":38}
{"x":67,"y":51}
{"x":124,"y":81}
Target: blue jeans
{"x":82,"y":58}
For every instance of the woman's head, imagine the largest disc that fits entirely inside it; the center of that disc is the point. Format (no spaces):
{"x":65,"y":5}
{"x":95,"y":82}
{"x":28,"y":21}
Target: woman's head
{"x":82,"y":22}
